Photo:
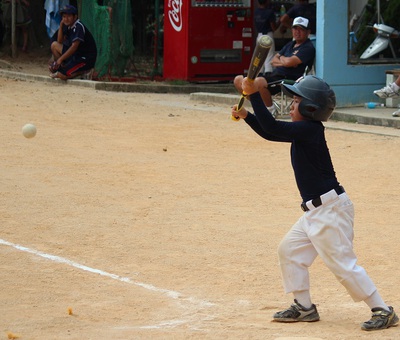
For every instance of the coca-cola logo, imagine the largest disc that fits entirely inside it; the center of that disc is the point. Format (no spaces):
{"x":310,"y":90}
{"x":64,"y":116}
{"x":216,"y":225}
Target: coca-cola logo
{"x":175,"y":14}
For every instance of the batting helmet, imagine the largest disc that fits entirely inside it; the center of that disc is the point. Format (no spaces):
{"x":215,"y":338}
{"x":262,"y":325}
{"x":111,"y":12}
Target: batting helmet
{"x":318,"y":99}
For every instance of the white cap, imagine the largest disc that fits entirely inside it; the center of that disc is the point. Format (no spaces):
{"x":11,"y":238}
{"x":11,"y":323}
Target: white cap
{"x":300,"y":21}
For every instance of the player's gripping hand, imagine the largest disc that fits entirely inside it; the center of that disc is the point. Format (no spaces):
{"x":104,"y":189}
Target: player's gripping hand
{"x":242,"y":113}
{"x":249,"y":86}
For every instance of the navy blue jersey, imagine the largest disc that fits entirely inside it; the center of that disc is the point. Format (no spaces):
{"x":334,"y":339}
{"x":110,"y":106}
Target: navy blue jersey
{"x":263,"y":18}
{"x":310,"y":157}
{"x":87,"y":46}
{"x":305,"y":52}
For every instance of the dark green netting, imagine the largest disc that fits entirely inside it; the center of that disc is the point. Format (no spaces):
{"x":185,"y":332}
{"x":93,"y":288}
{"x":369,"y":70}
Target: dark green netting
{"x":111,"y":26}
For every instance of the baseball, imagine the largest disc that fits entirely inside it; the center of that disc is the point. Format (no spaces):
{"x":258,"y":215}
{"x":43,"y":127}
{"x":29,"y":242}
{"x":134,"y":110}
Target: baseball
{"x":29,"y":130}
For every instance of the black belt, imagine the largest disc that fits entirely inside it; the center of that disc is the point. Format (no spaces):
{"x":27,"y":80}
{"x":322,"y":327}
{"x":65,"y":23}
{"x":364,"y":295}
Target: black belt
{"x":316,"y":202}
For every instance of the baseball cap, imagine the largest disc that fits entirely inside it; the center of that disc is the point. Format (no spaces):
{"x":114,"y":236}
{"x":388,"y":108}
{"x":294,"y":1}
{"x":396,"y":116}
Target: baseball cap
{"x":68,"y":9}
{"x":300,"y":21}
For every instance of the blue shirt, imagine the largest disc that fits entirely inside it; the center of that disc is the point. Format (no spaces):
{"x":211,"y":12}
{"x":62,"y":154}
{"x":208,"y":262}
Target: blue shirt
{"x":87,"y":46}
{"x":263,"y":17}
{"x":305,"y":52}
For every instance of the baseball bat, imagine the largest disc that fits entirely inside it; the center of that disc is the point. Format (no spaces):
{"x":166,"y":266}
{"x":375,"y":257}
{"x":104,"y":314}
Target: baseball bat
{"x":260,"y":53}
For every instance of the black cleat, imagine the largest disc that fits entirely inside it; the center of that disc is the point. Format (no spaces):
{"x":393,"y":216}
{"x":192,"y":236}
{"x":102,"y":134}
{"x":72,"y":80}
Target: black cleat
{"x":297,"y":313}
{"x":381,"y":319}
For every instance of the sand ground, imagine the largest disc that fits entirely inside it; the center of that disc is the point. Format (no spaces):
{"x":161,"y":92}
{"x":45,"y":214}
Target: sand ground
{"x":151,"y":216}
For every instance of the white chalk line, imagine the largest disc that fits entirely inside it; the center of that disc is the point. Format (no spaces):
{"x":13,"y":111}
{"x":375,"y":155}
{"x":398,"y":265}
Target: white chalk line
{"x":169,"y":293}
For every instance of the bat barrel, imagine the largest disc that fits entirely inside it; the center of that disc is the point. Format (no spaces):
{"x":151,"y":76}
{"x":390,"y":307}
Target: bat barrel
{"x":260,"y":53}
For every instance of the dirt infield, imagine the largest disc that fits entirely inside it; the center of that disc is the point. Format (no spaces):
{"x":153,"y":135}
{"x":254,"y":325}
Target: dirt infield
{"x":155,"y":217}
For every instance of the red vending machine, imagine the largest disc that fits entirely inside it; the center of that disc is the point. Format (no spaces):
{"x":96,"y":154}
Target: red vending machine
{"x":207,"y":40}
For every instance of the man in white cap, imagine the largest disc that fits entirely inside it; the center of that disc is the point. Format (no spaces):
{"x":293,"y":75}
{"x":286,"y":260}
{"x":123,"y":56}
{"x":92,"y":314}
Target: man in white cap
{"x":305,"y":9}
{"x":290,"y":62}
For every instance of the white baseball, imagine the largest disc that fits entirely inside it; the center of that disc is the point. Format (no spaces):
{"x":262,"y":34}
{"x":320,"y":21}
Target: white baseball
{"x":29,"y":130}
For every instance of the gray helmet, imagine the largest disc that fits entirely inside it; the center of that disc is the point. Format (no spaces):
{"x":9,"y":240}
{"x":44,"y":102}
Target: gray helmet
{"x":318,"y":99}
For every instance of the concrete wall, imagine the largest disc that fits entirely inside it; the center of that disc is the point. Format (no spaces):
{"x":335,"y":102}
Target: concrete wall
{"x":353,"y":84}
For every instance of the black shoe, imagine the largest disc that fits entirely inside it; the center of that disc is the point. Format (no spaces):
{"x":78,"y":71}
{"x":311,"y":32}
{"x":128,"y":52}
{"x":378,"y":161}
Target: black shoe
{"x":297,"y":313}
{"x":381,"y":319}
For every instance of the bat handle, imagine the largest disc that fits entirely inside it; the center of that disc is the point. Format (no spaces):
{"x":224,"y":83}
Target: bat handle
{"x":239,"y":107}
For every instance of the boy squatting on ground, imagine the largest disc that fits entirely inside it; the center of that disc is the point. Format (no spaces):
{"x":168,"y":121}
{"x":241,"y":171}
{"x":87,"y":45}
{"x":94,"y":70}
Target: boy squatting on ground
{"x":73,"y":47}
{"x":326,"y":227}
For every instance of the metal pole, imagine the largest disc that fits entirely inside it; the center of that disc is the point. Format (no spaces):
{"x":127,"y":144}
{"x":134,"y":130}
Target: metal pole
{"x":156,"y":37}
{"x":378,"y":8}
{"x":13,"y":30}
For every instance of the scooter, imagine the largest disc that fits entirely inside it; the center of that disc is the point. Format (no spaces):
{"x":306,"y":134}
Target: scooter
{"x":382,"y":41}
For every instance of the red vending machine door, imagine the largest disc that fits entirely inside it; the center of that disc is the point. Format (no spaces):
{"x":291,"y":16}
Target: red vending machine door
{"x":220,"y":41}
{"x":207,"y":40}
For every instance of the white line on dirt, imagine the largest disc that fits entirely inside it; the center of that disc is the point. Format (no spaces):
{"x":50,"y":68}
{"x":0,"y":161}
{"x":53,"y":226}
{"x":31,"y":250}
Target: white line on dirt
{"x":198,"y":304}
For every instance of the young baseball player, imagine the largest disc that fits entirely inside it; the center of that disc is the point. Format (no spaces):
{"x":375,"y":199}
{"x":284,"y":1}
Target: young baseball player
{"x":74,"y":48}
{"x":326,"y":227}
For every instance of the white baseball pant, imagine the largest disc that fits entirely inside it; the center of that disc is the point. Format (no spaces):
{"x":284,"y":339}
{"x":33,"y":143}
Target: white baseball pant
{"x":326,"y":231}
